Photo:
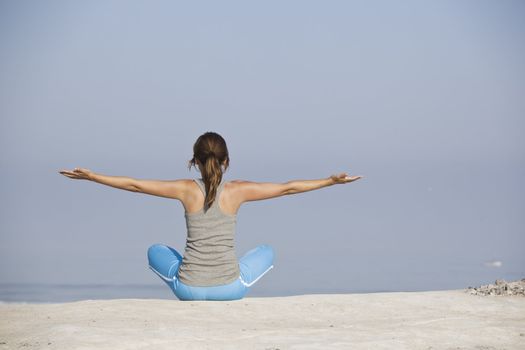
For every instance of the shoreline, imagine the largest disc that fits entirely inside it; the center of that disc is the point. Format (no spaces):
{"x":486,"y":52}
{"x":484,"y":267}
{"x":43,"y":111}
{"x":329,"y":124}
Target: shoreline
{"x":499,"y":287}
{"x":475,"y":291}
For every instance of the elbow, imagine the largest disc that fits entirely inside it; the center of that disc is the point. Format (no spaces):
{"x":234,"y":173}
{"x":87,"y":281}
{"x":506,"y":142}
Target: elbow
{"x":289,"y":189}
{"x":133,"y":187}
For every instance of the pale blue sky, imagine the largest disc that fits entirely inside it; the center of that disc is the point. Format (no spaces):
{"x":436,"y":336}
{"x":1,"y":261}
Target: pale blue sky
{"x":425,"y":99}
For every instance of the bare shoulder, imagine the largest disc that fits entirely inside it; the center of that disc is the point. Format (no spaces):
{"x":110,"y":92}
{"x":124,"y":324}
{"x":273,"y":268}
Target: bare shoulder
{"x":183,"y":183}
{"x":185,"y":186}
{"x":246,"y":191}
{"x":236,"y":181}
{"x":233,"y":186}
{"x":175,"y":189}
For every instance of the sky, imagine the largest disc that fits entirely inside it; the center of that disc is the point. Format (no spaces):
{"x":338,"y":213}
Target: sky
{"x":424,"y":99}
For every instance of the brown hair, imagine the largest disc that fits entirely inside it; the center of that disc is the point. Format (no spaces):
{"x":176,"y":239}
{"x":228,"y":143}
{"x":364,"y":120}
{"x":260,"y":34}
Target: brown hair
{"x":211,"y":151}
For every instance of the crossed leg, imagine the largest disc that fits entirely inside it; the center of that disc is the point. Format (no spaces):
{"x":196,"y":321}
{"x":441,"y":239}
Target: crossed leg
{"x":165,"y":262}
{"x":255,"y":263}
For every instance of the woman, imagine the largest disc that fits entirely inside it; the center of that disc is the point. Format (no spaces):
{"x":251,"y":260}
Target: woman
{"x":209,"y":269}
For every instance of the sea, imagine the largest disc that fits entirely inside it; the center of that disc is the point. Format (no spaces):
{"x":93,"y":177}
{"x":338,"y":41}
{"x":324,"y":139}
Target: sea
{"x":60,"y":293}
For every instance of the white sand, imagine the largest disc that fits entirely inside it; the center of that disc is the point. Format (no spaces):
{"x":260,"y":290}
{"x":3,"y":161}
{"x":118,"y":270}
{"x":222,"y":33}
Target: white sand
{"x":403,"y":320}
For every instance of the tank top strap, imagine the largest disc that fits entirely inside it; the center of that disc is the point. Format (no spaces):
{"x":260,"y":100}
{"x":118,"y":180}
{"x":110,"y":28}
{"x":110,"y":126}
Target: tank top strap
{"x":221,"y":186}
{"x":202,"y":186}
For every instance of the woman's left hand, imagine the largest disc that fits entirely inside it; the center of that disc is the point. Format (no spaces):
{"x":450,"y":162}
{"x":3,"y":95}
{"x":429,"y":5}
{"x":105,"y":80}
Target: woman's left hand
{"x":344,"y":178}
{"x":77,"y":173}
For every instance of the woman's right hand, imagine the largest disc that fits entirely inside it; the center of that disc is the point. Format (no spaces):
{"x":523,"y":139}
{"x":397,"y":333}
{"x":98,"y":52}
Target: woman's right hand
{"x":78,"y":173}
{"x":344,"y":178}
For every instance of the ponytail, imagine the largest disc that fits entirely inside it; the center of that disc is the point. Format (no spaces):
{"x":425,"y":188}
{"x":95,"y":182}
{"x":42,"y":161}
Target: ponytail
{"x":212,"y":176}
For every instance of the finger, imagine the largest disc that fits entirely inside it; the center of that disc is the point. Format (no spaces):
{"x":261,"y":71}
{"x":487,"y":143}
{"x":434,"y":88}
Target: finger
{"x":69,"y":174}
{"x":353,"y":178}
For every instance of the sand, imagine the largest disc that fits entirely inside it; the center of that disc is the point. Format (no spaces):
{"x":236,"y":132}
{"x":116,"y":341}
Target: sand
{"x":453,"y":319}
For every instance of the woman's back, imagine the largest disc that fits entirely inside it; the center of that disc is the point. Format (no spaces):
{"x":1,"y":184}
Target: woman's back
{"x":209,"y":257}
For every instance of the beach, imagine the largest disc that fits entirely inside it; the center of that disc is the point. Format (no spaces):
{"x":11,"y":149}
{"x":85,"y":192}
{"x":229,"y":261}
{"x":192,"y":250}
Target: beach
{"x":449,"y":319}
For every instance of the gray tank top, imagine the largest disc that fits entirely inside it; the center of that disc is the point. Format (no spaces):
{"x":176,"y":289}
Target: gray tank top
{"x":209,"y":257}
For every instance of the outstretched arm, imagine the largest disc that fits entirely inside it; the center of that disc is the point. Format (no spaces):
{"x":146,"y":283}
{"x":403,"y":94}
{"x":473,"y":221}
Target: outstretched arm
{"x":298,"y":186}
{"x":162,"y":188}
{"x":120,"y":182}
{"x":253,"y":191}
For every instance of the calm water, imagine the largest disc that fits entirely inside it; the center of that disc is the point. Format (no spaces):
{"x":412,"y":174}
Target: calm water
{"x":52,"y":293}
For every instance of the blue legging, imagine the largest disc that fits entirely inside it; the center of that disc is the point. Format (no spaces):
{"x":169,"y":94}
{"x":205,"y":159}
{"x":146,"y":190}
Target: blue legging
{"x":165,"y":262}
